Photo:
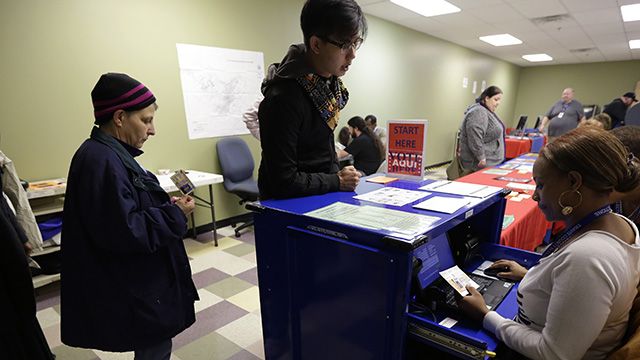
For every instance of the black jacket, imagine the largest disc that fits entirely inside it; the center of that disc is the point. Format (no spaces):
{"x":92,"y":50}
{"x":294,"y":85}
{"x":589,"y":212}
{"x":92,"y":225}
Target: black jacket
{"x":616,"y":110}
{"x":298,"y":148}
{"x":21,"y":337}
{"x":126,"y":281}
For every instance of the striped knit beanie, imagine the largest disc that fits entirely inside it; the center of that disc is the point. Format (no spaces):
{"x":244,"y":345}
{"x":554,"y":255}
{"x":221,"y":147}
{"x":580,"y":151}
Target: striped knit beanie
{"x":116,"y":91}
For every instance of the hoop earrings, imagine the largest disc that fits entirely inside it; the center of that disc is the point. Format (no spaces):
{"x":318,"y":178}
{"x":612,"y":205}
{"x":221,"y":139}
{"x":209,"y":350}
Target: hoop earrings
{"x":566,"y":209}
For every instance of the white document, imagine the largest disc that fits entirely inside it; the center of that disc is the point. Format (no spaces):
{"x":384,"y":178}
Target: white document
{"x":464,"y":189}
{"x":458,"y":280}
{"x":434,"y":184}
{"x":392,"y":196}
{"x":527,"y":168}
{"x":448,"y":322}
{"x":218,"y":85}
{"x":518,"y":186}
{"x":501,"y":172}
{"x":442,"y":204}
{"x":372,"y":217}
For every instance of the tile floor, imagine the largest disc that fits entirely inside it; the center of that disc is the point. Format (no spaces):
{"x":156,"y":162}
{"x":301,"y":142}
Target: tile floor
{"x":227,"y":316}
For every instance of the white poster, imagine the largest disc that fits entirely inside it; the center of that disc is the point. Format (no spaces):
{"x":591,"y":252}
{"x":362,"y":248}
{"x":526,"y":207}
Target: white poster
{"x":218,"y":85}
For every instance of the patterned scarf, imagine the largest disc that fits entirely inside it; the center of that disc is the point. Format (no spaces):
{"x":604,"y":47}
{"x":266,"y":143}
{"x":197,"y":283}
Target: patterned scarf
{"x":327,"y":101}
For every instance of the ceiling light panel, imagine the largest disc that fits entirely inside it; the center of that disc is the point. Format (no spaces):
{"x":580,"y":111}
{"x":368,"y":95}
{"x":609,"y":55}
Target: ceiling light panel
{"x":428,"y":7}
{"x":501,"y":39}
{"x":537,"y":57}
{"x":630,"y":12}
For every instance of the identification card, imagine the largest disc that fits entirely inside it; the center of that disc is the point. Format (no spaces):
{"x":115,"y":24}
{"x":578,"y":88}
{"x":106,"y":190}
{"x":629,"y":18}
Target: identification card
{"x":560,"y":115}
{"x":182,"y":182}
{"x":458,"y":280}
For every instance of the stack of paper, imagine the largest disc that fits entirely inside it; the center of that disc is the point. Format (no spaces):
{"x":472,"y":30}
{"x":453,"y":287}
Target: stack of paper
{"x":461,"y":188}
{"x":382,"y":179}
{"x":442,"y":204}
{"x":516,"y":186}
{"x":392,"y":196}
{"x":494,"y":171}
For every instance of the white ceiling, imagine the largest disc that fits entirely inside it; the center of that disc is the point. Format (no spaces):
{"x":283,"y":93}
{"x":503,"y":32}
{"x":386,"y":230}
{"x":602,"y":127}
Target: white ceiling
{"x":593,"y":31}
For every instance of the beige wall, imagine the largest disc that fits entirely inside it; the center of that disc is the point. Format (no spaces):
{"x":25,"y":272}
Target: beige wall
{"x":54,"y":51}
{"x":595,"y":83}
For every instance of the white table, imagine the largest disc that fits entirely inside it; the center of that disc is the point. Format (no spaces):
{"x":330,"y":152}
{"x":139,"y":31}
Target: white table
{"x":198,"y":178}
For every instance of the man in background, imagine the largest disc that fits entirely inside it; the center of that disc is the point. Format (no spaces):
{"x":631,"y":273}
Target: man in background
{"x":617,"y":108}
{"x":381,"y":133}
{"x":563,"y":116}
{"x":366,"y":148}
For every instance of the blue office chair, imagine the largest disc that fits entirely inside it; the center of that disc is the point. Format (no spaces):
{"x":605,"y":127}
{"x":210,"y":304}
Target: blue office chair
{"x":236,"y":163}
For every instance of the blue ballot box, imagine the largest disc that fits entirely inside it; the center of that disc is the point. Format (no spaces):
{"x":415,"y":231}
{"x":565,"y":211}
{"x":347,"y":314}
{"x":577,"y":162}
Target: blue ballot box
{"x":347,"y":278}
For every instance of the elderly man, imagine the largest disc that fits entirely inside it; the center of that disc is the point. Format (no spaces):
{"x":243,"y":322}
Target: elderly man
{"x":617,"y":109}
{"x":563,"y":116}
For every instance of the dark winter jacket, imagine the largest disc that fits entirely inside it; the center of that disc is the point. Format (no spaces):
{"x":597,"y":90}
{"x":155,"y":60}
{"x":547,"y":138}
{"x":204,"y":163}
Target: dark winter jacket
{"x":126,"y":281}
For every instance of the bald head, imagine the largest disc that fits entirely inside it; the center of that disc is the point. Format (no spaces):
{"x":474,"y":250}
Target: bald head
{"x":567,"y":95}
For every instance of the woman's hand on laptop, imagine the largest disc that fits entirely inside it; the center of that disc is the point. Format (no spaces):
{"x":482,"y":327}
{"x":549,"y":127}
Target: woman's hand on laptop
{"x":514,"y":270}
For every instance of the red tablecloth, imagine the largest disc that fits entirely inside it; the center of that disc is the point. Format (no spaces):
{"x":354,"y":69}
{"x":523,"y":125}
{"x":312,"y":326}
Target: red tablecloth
{"x":529,"y":226}
{"x":516,"y":147}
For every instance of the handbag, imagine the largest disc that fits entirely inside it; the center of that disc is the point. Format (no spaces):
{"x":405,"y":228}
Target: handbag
{"x":455,"y":169}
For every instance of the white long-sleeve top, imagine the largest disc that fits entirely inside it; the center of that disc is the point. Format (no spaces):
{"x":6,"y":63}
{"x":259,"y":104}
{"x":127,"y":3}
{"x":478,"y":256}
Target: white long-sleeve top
{"x":575,"y":303}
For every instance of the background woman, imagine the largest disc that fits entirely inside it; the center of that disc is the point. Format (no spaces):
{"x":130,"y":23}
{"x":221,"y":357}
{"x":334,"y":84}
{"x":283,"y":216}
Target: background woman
{"x":575,"y":302}
{"x":482,"y":132}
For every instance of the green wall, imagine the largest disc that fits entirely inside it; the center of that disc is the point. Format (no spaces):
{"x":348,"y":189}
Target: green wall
{"x":594,"y":83}
{"x":403,"y":74}
{"x":54,"y":51}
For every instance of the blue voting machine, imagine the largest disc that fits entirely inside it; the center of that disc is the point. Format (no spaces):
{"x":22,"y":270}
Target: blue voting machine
{"x":347,"y":278}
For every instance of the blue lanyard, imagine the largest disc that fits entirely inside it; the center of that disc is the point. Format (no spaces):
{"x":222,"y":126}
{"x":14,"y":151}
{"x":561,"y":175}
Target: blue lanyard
{"x":617,"y":208}
{"x":568,"y":234}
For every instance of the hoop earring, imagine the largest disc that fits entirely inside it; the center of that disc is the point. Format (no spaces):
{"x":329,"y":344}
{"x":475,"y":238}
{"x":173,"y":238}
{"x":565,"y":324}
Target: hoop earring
{"x":567,"y":210}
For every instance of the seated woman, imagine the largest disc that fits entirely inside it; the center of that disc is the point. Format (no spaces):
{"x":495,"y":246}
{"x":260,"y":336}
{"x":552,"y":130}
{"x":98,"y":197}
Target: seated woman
{"x":575,"y":302}
{"x":366,"y":148}
{"x":344,"y":138}
{"x":481,"y":141}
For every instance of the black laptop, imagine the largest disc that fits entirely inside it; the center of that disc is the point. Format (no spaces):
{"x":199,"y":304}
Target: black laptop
{"x":434,"y":291}
{"x":521,"y":124}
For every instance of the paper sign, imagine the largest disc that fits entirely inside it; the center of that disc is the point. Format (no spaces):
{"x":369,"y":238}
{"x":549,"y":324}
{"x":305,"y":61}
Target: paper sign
{"x":407,"y":147}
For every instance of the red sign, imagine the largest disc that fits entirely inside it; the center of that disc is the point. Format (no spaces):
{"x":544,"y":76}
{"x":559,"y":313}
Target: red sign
{"x":406,"y":144}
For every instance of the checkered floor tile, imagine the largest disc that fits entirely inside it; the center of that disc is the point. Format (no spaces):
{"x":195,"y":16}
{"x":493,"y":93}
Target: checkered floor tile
{"x":227,"y":316}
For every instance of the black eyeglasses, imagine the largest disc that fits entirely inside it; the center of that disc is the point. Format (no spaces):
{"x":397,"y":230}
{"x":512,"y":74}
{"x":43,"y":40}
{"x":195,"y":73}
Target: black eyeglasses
{"x":345,"y":46}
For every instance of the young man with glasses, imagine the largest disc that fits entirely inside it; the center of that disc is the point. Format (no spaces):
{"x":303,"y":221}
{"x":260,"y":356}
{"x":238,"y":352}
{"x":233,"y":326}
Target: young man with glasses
{"x":303,"y":99}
